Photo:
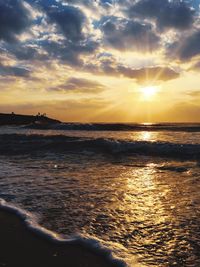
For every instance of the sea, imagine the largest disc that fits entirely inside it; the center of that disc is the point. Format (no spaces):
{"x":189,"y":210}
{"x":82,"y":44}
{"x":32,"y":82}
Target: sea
{"x":131,"y":191}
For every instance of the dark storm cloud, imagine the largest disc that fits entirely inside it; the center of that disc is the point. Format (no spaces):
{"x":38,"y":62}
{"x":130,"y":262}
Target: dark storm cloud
{"x":167,"y":14}
{"x":79,"y":84}
{"x":110,"y":66}
{"x":156,"y":73}
{"x":83,"y":84}
{"x":14,"y":71}
{"x":63,"y":52}
{"x":14,"y":19}
{"x":69,"y":20}
{"x":151,"y":73}
{"x":123,"y":34}
{"x":23,"y":52}
{"x":68,"y":52}
{"x":187,"y":48}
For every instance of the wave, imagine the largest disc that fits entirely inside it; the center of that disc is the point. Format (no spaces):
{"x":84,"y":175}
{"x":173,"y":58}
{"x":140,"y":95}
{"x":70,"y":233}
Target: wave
{"x":28,"y":144}
{"x":31,"y":222}
{"x":186,"y":127}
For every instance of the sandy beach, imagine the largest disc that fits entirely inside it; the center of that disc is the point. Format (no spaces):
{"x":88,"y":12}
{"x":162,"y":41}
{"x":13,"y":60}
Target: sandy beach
{"x":22,"y":247}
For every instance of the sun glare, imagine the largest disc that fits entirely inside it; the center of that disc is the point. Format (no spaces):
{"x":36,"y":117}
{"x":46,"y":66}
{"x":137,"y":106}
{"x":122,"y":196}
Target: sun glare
{"x":149,"y":92}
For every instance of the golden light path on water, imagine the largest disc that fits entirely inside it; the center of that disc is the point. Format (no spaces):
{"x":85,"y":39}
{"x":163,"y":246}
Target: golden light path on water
{"x":154,"y":205}
{"x":145,"y":136}
{"x":145,"y":208}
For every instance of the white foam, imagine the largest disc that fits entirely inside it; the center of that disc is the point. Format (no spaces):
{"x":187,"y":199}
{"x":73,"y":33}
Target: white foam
{"x":31,"y":222}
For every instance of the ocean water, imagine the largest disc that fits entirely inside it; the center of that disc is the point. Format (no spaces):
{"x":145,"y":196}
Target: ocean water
{"x":134,"y":188}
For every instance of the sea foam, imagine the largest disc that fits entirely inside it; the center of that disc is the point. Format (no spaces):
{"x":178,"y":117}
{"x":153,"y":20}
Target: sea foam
{"x":94,"y":244}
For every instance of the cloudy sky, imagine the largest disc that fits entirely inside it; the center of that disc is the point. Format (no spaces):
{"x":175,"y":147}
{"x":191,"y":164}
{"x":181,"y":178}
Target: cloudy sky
{"x":101,"y":60}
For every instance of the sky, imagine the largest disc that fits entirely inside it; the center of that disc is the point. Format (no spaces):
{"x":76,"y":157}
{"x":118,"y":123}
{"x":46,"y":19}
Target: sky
{"x":101,"y":60}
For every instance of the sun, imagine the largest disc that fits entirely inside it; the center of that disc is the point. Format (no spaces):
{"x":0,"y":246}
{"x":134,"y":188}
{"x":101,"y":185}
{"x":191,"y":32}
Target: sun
{"x":148,"y":92}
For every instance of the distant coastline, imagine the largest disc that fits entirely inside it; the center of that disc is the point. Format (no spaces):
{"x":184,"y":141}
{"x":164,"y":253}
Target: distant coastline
{"x":18,"y":119}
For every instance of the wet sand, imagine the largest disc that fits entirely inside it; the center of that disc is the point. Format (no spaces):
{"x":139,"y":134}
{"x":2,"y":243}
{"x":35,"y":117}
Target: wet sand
{"x":19,"y":246}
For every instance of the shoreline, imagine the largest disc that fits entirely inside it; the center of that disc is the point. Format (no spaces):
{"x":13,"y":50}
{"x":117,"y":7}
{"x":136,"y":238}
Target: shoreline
{"x":21,"y":246}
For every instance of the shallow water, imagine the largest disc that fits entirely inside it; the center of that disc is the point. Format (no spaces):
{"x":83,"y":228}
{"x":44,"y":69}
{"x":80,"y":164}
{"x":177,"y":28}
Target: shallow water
{"x":145,"y":204}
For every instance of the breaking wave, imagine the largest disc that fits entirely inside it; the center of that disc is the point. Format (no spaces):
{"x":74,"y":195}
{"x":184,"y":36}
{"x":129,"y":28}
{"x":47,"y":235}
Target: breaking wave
{"x":22,"y":144}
